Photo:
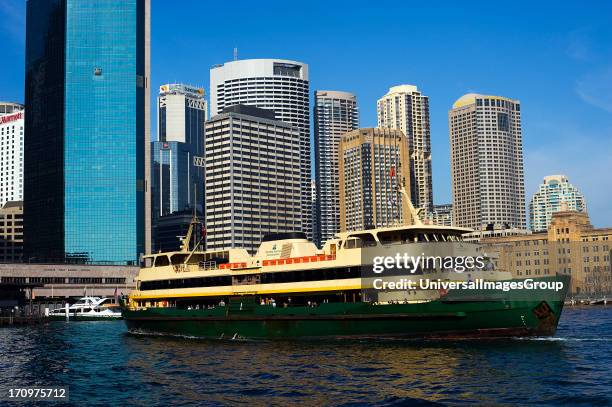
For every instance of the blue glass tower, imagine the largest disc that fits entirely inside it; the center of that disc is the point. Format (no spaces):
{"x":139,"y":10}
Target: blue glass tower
{"x":85,"y":154}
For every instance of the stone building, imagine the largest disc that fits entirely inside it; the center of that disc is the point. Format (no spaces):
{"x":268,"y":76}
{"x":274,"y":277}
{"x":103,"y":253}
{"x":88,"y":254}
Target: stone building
{"x":570,"y":246}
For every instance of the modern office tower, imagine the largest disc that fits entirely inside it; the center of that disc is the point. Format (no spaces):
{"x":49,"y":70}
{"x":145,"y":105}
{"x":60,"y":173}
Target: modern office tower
{"x":11,"y":153}
{"x":11,"y":232}
{"x":177,"y":184}
{"x":374,"y":166}
{"x":443,"y":215}
{"x":405,"y":108}
{"x":253,"y":178}
{"x":278,"y":85}
{"x":335,"y":113}
{"x":554,"y":194}
{"x":86,"y":198}
{"x":487,"y":162}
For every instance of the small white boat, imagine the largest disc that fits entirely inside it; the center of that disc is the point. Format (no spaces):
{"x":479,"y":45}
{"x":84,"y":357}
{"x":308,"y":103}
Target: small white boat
{"x":88,"y":309}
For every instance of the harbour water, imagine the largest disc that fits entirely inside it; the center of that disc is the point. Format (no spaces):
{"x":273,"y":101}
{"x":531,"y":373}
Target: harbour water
{"x":104,"y":365}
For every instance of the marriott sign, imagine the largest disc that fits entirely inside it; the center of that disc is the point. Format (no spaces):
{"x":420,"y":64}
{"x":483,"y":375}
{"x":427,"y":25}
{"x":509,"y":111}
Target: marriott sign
{"x":11,"y":118}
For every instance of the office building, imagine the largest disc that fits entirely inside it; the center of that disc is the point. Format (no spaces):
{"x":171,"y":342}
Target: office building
{"x":405,"y":108}
{"x":253,"y":178}
{"x":553,"y":195}
{"x":487,"y":162}
{"x":86,"y":198}
{"x":11,"y":152}
{"x":177,"y":183}
{"x":275,"y":84}
{"x":443,"y":215}
{"x":570,"y":246}
{"x":335,"y":113}
{"x":170,"y":229}
{"x":11,"y":232}
{"x":373,"y":166}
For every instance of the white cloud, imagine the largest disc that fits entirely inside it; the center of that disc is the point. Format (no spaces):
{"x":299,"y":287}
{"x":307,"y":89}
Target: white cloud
{"x":596,"y":89}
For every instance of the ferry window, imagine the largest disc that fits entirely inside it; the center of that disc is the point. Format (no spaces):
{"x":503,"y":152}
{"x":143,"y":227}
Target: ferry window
{"x":179,"y":258}
{"x":161,"y":261}
{"x":353,"y":243}
{"x":399,"y":237}
{"x":367,"y":239}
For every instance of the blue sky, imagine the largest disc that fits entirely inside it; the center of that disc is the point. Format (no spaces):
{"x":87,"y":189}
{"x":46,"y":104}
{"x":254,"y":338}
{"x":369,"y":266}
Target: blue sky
{"x":556,"y":57}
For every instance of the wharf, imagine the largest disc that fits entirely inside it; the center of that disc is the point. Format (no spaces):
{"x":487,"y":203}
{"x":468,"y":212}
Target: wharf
{"x":21,"y":320}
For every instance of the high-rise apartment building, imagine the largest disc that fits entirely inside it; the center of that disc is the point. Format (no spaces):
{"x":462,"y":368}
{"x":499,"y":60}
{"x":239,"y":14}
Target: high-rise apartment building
{"x":487,"y":162}
{"x":177,"y":183}
{"x":11,"y":153}
{"x":373,"y":167}
{"x":335,"y":113}
{"x":276,"y":84}
{"x":86,"y":198}
{"x":405,"y":108}
{"x":253,"y":178}
{"x":554,"y":194}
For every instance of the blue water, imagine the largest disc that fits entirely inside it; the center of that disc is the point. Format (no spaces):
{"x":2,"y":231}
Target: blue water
{"x":104,"y":365}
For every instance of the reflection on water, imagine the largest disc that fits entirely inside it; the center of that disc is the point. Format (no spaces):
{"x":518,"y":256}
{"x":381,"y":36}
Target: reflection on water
{"x":103,"y":364}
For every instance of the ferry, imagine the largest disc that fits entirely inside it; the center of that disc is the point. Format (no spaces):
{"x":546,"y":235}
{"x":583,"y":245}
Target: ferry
{"x":291,"y":289}
{"x":88,"y":308}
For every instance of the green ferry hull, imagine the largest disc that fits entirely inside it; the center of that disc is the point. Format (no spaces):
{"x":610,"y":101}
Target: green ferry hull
{"x":464,"y":315}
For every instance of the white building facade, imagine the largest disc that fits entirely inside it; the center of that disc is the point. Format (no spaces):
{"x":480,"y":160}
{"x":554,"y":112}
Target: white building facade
{"x":12,"y":117}
{"x":335,"y":113}
{"x":487,"y":162}
{"x":405,"y":108}
{"x":253,"y":180}
{"x":275,"y":84}
{"x":554,"y":194}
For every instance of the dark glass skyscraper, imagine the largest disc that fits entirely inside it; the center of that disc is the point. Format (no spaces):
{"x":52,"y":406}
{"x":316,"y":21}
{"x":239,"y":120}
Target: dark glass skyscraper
{"x":87,"y":73}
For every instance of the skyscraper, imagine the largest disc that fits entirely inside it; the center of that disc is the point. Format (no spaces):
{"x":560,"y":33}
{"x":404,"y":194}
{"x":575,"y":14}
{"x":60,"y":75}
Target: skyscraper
{"x":86,"y":154}
{"x":11,"y":152}
{"x":253,"y":179}
{"x":405,"y":108}
{"x":487,"y":162}
{"x":373,"y":167}
{"x":276,"y":84}
{"x":177,"y":184}
{"x":554,"y":194}
{"x":335,"y":113}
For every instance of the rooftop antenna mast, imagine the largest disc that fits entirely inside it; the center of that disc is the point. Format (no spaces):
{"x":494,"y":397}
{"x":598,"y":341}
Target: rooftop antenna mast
{"x":235,"y":54}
